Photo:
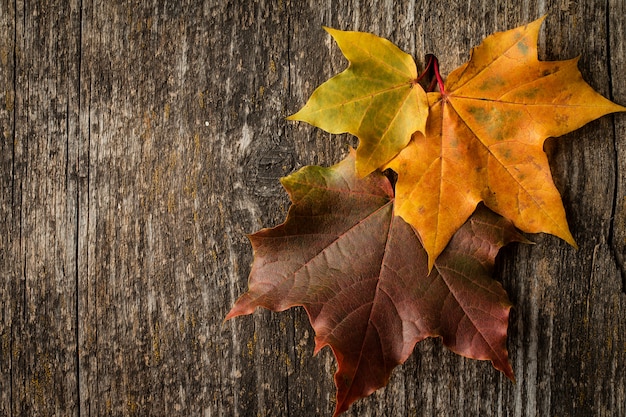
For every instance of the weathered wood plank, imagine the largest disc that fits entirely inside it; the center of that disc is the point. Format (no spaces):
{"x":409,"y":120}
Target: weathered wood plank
{"x":173,"y":91}
{"x":7,"y":269}
{"x":616,"y":48}
{"x":41,"y":270}
{"x":143,"y":140}
{"x":570,"y":303}
{"x":145,"y":345}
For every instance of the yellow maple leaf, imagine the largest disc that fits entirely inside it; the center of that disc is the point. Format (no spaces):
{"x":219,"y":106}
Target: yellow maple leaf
{"x":376,"y":98}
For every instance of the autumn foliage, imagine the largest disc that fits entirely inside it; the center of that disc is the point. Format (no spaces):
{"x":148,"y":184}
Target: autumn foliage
{"x":380,"y":267}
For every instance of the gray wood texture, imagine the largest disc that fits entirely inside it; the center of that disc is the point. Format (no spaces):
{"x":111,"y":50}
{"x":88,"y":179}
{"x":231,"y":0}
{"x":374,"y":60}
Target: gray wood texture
{"x":142,"y":140}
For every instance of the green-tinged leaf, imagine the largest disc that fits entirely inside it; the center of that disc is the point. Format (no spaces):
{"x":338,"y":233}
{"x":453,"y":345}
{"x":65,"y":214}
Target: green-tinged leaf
{"x":376,"y":99}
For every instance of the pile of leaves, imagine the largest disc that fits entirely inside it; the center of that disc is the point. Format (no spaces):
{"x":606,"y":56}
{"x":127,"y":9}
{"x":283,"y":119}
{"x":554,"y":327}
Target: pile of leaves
{"x":380,"y":265}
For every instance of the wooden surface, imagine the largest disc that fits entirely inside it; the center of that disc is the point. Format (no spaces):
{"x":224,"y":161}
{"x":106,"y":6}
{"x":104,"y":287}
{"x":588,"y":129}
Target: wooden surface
{"x":141,"y":141}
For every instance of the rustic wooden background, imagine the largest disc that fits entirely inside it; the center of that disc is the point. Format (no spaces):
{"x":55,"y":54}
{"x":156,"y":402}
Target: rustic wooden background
{"x":141,"y":141}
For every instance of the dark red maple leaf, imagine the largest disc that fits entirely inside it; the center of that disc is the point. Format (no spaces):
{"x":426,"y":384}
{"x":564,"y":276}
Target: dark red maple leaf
{"x":362,"y":276}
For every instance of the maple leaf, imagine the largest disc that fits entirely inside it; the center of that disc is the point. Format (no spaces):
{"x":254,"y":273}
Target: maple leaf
{"x":376,"y":98}
{"x":484,"y":140}
{"x":362,"y":276}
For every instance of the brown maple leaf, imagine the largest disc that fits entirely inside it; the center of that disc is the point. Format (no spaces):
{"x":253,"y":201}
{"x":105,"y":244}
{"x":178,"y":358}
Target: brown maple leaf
{"x":484,"y":141}
{"x":362,"y":276}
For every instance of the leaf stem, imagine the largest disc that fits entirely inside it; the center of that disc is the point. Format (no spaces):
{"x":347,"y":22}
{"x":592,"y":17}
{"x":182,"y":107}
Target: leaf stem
{"x":442,"y":89}
{"x":431,"y":77}
{"x":429,"y":64}
{"x":431,"y":86}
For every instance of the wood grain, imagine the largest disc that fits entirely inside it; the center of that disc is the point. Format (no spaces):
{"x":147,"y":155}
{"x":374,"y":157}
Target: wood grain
{"x":141,"y":141}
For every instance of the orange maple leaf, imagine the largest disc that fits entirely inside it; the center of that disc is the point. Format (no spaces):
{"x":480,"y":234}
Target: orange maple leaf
{"x":484,"y":141}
